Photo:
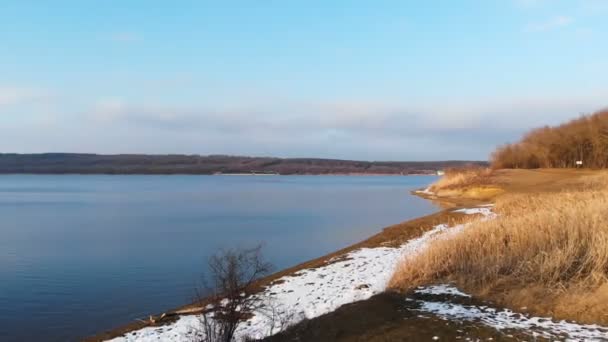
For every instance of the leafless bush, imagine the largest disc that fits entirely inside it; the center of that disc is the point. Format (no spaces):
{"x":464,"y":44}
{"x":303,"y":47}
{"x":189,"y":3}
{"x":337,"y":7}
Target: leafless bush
{"x":279,"y":317}
{"x":229,"y":287}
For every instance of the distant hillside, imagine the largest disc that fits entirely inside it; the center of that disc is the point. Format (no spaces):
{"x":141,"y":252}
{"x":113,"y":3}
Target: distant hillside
{"x":59,"y":163}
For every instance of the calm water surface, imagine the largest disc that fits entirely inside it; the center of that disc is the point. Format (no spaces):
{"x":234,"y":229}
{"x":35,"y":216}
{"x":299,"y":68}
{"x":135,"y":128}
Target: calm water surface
{"x":82,"y":254}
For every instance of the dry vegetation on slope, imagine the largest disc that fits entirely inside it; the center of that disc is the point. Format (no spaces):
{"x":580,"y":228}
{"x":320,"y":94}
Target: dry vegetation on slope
{"x":458,"y":178}
{"x":584,"y":139}
{"x":546,"y":251}
{"x":475,"y":183}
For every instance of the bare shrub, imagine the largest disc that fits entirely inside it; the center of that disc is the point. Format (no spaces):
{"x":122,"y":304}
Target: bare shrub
{"x":278,"y":316}
{"x":230,"y":301}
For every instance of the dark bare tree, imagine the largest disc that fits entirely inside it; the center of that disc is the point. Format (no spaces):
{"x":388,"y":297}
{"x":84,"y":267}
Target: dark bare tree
{"x":584,"y":139}
{"x":229,"y":287}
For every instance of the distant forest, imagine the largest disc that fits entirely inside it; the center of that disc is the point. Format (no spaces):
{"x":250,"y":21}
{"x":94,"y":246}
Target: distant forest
{"x":583,"y":139}
{"x":63,"y":163}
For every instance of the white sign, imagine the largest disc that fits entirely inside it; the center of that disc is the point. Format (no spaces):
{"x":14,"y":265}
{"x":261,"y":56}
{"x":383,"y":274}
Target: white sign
{"x":579,"y":162}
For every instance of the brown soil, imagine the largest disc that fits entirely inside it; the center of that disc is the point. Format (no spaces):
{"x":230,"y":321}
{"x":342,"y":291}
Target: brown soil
{"x":539,"y":180}
{"x":390,"y":317}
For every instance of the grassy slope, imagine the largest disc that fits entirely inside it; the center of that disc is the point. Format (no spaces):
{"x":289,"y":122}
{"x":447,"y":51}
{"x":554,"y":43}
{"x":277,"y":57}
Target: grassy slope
{"x":547,"y":251}
{"x":483,"y":185}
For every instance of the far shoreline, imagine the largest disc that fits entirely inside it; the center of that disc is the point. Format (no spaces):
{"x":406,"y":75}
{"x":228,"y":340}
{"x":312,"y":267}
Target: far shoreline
{"x":206,"y":174}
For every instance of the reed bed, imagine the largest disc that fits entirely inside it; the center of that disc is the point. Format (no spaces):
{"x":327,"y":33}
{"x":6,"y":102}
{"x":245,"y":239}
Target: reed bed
{"x":547,"y":252}
{"x":459,"y":178}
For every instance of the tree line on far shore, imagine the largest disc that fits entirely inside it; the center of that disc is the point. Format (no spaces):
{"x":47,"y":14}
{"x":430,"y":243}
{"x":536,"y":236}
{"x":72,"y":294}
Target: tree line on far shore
{"x":584,"y":139}
{"x":59,"y":163}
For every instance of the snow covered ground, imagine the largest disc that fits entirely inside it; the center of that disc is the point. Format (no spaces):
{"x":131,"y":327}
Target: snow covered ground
{"x":504,"y":319}
{"x":357,"y":276}
{"x":313,"y":292}
{"x":426,"y":191}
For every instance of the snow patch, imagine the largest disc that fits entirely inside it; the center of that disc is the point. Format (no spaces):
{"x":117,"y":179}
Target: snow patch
{"x":426,"y":191}
{"x":441,"y":290}
{"x":507,"y":319}
{"x":483,"y":210}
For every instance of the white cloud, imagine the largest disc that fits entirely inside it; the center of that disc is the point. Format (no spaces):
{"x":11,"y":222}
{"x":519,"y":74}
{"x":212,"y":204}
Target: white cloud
{"x":553,"y":23}
{"x":12,"y":96}
{"x":465,"y":128}
{"x":362,"y":121}
{"x":125,"y":37}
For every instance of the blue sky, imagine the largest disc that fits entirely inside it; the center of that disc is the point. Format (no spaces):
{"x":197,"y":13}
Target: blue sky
{"x":374,"y":80}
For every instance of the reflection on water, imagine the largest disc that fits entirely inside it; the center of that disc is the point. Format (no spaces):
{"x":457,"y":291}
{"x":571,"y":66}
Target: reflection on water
{"x":80,"y":254}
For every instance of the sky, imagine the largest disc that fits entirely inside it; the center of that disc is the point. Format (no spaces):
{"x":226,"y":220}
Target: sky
{"x":366,"y":80}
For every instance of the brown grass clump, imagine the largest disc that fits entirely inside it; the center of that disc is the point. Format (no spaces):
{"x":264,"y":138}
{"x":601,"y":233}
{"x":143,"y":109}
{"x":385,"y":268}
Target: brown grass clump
{"x":472,"y":183}
{"x":548,"y":252}
{"x":463,"y":177}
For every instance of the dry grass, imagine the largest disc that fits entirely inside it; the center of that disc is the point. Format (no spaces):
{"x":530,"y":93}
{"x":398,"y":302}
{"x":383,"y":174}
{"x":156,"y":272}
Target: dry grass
{"x":547,"y":251}
{"x":459,"y":178}
{"x":468,"y":183}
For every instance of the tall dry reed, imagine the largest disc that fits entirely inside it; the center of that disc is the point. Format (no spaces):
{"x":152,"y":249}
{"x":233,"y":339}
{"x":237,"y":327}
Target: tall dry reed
{"x":463,"y":177}
{"x":545,"y":251}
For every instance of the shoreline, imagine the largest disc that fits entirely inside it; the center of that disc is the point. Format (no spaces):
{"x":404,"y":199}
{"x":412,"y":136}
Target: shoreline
{"x":335,"y":304}
{"x":314,"y":292}
{"x":355,"y":174}
{"x":390,"y":236}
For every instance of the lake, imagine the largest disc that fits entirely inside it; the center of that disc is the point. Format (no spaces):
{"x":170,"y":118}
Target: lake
{"x":83,"y":254}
